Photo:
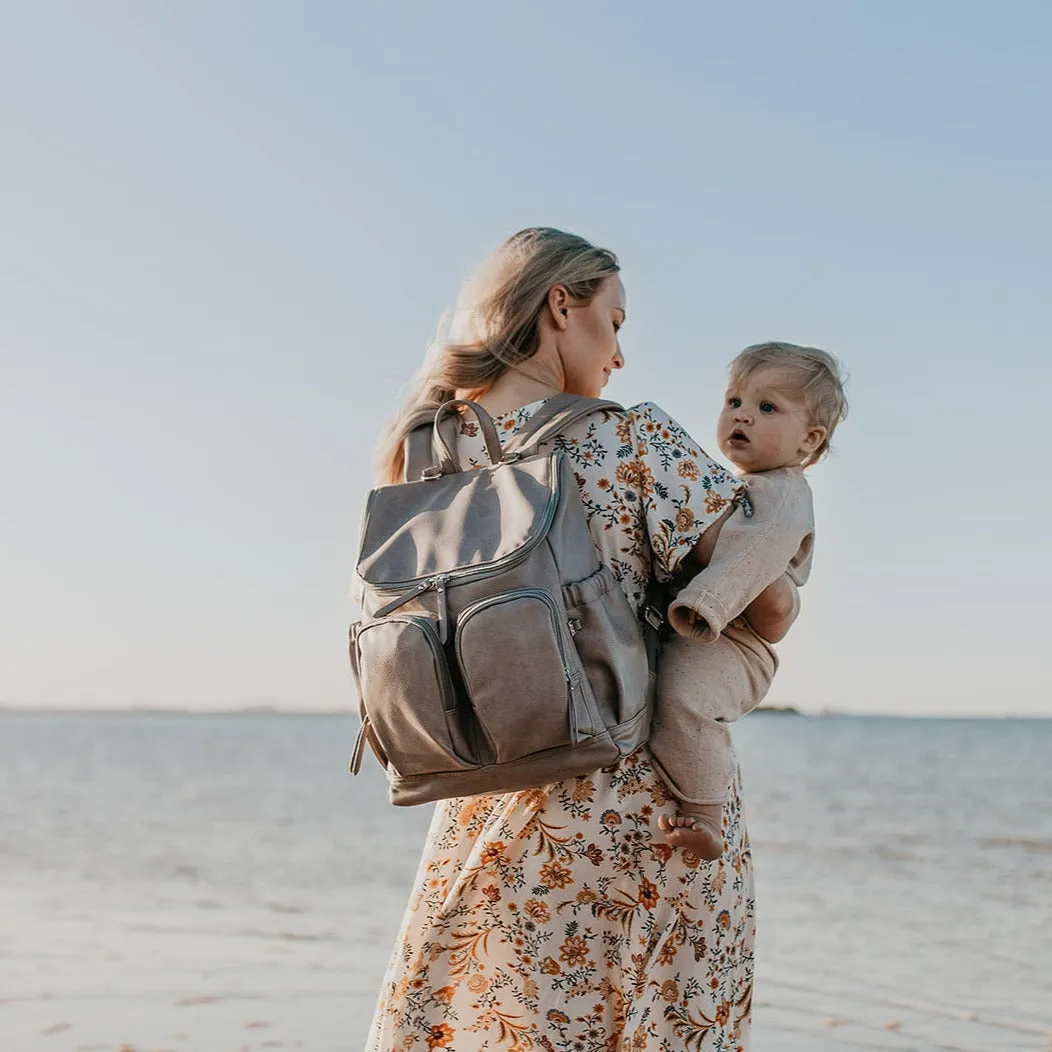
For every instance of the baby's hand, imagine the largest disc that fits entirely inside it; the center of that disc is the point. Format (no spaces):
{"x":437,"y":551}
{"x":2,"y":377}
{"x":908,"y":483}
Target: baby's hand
{"x":772,"y":613}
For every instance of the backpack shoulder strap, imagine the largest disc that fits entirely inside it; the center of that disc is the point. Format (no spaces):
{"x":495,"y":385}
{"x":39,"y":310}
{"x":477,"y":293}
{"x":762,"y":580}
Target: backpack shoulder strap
{"x":554,"y":417}
{"x":417,"y":446}
{"x":417,"y":453}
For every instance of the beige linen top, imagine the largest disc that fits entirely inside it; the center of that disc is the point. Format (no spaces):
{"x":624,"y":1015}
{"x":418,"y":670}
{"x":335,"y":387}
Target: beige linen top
{"x":770,"y":534}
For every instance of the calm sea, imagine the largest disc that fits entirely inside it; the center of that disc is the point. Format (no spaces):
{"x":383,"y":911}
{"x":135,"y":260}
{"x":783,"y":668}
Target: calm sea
{"x":219,"y":883}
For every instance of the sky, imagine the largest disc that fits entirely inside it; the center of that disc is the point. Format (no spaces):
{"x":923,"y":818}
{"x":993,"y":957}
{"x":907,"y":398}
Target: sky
{"x":227,"y":232}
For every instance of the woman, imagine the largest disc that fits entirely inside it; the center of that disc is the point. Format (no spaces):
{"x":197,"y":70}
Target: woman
{"x":557,"y":918}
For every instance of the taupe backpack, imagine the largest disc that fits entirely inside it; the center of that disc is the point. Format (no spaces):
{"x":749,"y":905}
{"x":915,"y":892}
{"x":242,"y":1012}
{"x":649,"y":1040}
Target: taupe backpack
{"x":495,"y":652}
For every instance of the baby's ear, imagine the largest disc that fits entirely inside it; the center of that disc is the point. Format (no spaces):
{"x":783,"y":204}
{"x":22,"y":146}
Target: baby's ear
{"x":814,"y":438}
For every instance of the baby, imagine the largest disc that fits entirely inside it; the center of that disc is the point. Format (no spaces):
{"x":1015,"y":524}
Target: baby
{"x":783,"y":404}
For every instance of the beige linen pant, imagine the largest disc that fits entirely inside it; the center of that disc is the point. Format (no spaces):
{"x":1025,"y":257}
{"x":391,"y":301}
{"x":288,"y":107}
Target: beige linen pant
{"x":702,"y":689}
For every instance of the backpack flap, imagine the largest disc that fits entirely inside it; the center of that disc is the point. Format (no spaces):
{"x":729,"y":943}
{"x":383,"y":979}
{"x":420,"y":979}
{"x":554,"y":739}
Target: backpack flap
{"x":462,"y":523}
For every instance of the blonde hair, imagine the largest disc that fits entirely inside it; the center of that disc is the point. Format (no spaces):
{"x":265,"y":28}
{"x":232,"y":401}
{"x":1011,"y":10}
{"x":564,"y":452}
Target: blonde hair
{"x":821,"y":377}
{"x":495,"y":324}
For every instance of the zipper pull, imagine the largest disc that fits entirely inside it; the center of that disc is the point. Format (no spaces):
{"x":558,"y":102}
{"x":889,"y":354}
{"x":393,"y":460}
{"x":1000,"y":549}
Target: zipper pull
{"x":443,"y":607}
{"x":573,"y":679}
{"x":359,"y":747}
{"x":439,"y":583}
{"x":394,"y":604}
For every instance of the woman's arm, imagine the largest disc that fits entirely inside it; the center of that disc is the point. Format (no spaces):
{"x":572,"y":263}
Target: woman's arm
{"x":772,"y":613}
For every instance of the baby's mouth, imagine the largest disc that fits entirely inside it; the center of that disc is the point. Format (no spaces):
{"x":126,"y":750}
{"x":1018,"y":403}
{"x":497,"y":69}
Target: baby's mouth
{"x":739,"y":436}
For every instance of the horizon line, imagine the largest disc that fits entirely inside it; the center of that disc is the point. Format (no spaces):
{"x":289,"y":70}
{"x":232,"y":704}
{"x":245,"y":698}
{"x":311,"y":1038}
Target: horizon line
{"x":271,"y":710}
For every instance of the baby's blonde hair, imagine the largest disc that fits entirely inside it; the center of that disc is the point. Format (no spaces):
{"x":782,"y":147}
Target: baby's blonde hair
{"x":821,"y":376}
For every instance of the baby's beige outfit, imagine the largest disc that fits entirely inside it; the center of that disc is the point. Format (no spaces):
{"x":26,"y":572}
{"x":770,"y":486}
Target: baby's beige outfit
{"x":716,"y":669}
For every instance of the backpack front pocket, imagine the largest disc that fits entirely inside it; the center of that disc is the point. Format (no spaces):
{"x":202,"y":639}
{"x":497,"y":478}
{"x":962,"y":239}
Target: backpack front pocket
{"x":408,"y":696}
{"x":524,"y":681}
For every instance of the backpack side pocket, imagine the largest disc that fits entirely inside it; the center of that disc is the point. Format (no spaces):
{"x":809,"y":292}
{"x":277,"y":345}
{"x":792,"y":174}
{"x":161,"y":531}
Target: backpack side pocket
{"x":609,"y":641}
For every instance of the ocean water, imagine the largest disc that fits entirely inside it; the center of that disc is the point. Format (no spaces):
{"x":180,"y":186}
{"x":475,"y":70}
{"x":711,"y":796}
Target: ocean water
{"x":220,"y":884}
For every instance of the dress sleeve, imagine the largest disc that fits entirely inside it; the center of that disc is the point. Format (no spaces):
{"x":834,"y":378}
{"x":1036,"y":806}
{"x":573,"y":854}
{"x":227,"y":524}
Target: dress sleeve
{"x":680,"y":490}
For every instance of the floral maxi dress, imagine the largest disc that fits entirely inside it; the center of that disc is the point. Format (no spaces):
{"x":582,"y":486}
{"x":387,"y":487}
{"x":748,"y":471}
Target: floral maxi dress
{"x":556,"y":918}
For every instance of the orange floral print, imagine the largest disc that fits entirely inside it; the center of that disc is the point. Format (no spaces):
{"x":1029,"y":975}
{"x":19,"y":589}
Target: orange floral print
{"x":440,"y":1036}
{"x":556,"y":875}
{"x":715,"y":502}
{"x":636,"y":476}
{"x":537,"y":911}
{"x":493,"y":853}
{"x":648,"y":894}
{"x":574,"y":951}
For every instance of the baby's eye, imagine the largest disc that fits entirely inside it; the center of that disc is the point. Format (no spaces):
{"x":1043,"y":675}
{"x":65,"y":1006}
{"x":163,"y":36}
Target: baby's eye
{"x":767,"y":407}
{"x":734,"y":403}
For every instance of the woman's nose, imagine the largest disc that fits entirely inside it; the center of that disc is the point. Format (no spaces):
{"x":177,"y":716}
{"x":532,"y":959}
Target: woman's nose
{"x":619,"y":359}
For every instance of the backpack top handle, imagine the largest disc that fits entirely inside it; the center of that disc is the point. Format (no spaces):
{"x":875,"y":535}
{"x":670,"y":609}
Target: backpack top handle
{"x":431,"y":445}
{"x":444,"y":445}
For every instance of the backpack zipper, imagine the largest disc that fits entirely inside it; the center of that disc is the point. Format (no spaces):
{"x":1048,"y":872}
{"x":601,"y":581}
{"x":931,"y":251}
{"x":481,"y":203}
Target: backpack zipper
{"x":439,"y":583}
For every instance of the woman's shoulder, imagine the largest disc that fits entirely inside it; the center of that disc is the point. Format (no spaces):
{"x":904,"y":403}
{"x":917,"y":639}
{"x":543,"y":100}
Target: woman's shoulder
{"x":647,"y":431}
{"x":641,"y":415}
{"x":650,"y":410}
{"x":649,"y":417}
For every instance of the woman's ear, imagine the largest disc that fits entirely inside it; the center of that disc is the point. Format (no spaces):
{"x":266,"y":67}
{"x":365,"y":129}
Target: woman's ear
{"x":558,"y":305}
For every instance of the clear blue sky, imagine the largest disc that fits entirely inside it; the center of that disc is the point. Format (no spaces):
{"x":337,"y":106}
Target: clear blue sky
{"x":227,"y":231}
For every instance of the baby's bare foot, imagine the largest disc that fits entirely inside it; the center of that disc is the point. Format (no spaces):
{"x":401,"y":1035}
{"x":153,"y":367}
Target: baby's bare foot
{"x":693,"y":834}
